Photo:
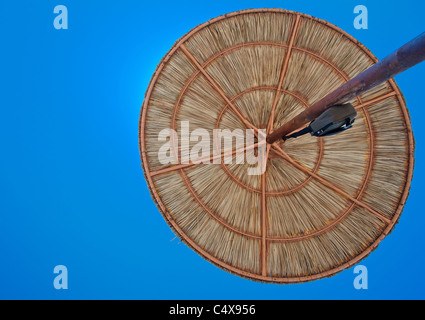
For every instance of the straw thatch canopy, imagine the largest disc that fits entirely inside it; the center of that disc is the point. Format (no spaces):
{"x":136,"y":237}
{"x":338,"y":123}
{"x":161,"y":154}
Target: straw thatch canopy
{"x":323,"y":204}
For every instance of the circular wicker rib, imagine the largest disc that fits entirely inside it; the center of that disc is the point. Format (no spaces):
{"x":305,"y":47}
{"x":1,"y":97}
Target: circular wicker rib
{"x":323,"y":204}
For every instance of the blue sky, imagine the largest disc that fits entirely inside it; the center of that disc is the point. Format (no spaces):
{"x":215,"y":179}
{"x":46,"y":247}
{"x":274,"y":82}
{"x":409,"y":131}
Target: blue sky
{"x":72,"y":191}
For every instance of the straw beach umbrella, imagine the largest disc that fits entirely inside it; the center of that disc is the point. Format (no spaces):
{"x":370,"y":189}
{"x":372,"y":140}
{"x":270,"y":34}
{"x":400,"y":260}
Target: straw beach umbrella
{"x":323,"y":203}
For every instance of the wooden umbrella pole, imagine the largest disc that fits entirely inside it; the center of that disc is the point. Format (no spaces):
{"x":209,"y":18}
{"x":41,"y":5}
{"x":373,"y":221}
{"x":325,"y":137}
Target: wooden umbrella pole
{"x":404,"y":58}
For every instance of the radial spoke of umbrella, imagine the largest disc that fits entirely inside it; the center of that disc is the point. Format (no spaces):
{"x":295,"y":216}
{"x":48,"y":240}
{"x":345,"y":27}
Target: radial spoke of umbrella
{"x":204,"y":160}
{"x":283,"y":72}
{"x":264,"y":218}
{"x":329,"y":184}
{"x":214,"y":84}
{"x":376,"y":100}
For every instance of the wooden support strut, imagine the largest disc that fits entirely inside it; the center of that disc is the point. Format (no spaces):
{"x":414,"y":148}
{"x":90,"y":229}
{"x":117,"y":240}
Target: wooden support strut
{"x":404,"y":58}
{"x":283,"y":72}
